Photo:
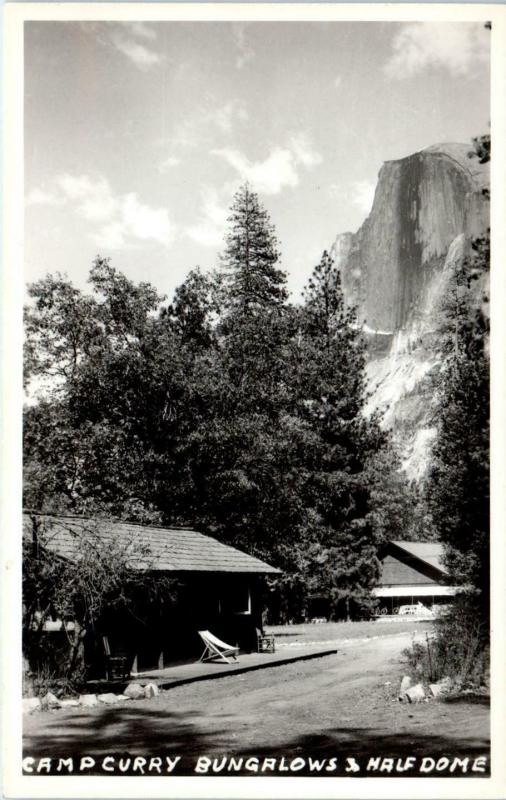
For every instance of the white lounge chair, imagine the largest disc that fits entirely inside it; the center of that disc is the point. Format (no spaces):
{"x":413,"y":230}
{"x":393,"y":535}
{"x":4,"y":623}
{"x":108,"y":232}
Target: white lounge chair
{"x":215,"y":648}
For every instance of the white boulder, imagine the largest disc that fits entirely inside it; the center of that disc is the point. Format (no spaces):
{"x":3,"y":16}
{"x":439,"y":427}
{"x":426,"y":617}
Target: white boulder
{"x":442,"y":687}
{"x":415,"y":694}
{"x":405,"y":685}
{"x":134,"y":691}
{"x":69,"y":703}
{"x":108,"y":698}
{"x":50,"y":701}
{"x":31,"y":704}
{"x":88,"y":700}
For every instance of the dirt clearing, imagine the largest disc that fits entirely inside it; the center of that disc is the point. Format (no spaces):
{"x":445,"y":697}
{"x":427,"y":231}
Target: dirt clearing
{"x":333,"y":707}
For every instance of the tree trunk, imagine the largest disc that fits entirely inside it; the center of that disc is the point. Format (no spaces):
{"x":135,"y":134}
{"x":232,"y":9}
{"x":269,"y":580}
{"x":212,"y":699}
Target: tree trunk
{"x":76,"y":655}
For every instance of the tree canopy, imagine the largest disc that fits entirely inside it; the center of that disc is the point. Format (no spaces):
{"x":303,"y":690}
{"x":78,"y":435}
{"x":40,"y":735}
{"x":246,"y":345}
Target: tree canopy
{"x":229,"y":409}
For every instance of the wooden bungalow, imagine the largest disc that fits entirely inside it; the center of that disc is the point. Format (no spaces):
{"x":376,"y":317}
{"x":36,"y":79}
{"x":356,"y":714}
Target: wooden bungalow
{"x":218,"y":588}
{"x":411,"y":573}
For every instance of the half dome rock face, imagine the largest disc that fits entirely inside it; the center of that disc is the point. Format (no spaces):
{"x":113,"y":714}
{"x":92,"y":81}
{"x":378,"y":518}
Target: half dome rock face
{"x":396,"y":268}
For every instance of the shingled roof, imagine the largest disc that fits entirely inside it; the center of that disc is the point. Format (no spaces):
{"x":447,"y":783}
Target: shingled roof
{"x":413,"y":563}
{"x":170,"y":549}
{"x":430,"y":552}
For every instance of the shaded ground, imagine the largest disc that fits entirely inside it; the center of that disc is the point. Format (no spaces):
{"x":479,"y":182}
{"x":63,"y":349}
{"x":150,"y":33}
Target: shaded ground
{"x":337,"y":706}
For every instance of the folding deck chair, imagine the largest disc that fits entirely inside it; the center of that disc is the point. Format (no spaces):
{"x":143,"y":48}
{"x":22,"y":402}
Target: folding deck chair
{"x":215,"y":648}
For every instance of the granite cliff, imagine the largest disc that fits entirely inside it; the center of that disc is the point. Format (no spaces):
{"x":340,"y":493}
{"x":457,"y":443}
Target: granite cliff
{"x":427,"y":208}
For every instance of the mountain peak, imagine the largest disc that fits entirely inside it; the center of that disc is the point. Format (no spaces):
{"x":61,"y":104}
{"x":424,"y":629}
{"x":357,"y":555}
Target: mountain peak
{"x":395,"y":270}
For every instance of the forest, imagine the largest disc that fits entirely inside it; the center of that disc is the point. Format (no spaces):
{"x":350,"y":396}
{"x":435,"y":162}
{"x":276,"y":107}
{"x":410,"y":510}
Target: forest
{"x":234,"y":410}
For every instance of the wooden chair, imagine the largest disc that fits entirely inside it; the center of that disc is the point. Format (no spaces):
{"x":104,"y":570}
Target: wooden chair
{"x":215,"y":648}
{"x":266,"y":642}
{"x":117,"y":666}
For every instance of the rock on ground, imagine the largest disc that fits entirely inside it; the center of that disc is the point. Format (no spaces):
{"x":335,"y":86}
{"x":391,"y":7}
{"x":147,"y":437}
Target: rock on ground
{"x":441,"y":687}
{"x":151,"y":690}
{"x":88,"y":700}
{"x":415,"y":694}
{"x":50,"y":701}
{"x":405,"y":685}
{"x":134,"y":691}
{"x":69,"y":703}
{"x":31,"y":704}
{"x":108,"y":698}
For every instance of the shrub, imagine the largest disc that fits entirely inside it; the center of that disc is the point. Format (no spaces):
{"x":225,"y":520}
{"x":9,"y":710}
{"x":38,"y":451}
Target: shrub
{"x":461,"y":643}
{"x":458,"y":649}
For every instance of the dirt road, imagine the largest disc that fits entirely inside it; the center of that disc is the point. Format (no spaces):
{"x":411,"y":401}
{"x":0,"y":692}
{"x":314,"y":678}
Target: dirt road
{"x":333,"y":707}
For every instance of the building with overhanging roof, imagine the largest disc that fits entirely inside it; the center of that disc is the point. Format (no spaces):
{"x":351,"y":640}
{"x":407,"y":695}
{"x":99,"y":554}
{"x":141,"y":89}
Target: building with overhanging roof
{"x":413,"y":572}
{"x":219,"y":587}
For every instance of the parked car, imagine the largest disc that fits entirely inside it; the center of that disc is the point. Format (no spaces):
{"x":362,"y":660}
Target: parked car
{"x":414,"y":610}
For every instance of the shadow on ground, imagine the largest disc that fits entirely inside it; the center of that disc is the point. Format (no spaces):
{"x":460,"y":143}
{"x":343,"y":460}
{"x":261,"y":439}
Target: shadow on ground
{"x":474,"y":699}
{"x":121,"y":732}
{"x":363,"y":744}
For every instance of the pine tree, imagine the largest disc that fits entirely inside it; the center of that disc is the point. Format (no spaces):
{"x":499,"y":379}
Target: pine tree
{"x":251,"y":256}
{"x":458,"y":489}
{"x":238,"y":476}
{"x":332,"y":396}
{"x":254,"y":319}
{"x":333,"y":387}
{"x":190,"y":313}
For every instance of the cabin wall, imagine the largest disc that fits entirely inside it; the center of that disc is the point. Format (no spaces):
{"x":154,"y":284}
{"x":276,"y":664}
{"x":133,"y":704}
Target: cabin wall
{"x":230,"y":606}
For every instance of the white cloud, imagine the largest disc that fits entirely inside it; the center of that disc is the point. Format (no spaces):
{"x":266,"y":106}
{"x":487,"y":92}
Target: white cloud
{"x":362,"y":195}
{"x":185,"y":135}
{"x":245,"y":52}
{"x":94,"y":198}
{"x":269,"y":176}
{"x":304,"y":152}
{"x":169,"y":163}
{"x":134,"y":40}
{"x":110,"y":236}
{"x":457,"y":47}
{"x":120,"y":220}
{"x":143,"y":222}
{"x":210,"y":229}
{"x":278,"y":170}
{"x":207,"y":125}
{"x":140,"y":55}
{"x":199,"y":129}
{"x":225,"y":117}
{"x":41,"y":197}
{"x":142,"y":30}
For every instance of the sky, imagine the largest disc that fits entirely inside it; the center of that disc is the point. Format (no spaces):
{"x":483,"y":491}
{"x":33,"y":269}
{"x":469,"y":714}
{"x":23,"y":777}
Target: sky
{"x":137,"y":135}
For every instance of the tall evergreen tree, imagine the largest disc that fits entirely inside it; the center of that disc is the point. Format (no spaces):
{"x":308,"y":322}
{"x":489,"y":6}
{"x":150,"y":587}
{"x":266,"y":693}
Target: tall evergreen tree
{"x":332,"y":396}
{"x":250,"y":260}
{"x":458,"y":489}
{"x":242,"y":417}
{"x":239,"y":476}
{"x":191,"y":311}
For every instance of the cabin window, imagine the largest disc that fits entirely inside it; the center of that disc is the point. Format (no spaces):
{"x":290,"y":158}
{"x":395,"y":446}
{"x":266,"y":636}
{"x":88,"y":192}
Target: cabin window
{"x":237,"y":600}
